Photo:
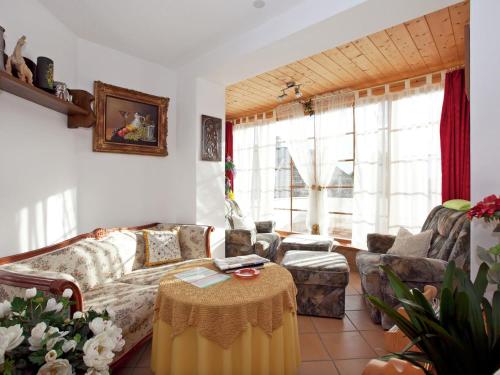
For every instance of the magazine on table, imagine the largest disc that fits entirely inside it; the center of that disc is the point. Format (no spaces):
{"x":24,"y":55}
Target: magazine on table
{"x":202,"y":277}
{"x":243,"y":261}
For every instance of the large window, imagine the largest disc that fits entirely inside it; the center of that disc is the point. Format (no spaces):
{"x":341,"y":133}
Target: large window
{"x":291,"y":195}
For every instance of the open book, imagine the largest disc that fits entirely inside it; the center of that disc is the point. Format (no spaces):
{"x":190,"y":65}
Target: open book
{"x":243,"y":261}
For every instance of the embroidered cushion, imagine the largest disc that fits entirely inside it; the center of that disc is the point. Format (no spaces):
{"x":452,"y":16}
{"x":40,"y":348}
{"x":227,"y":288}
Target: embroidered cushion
{"x":161,"y":247}
{"x":413,"y":245}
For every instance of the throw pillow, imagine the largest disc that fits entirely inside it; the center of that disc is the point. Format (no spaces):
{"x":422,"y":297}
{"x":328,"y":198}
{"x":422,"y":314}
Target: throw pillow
{"x":457,"y":204}
{"x":244,"y":222}
{"x":412,"y":245}
{"x":161,"y":247}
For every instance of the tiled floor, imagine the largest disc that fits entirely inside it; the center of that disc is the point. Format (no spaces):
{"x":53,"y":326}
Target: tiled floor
{"x":328,"y":346}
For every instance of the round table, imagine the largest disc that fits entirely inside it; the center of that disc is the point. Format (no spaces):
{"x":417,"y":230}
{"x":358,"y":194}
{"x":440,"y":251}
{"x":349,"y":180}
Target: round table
{"x":234,"y":327}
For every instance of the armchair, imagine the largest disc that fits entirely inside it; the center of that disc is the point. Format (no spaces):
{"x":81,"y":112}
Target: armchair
{"x":450,"y":241}
{"x":259,"y":239}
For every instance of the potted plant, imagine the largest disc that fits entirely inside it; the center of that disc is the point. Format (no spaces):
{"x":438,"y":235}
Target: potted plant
{"x":460,"y":335}
{"x":38,"y":336}
{"x":489,"y":210}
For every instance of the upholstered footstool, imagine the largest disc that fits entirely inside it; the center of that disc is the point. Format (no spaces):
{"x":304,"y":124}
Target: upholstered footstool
{"x":312,"y":242}
{"x":321,"y":278}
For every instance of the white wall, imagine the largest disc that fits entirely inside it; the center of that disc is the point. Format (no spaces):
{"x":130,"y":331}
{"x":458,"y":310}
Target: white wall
{"x":485,"y":113}
{"x":38,"y":163}
{"x":52,"y":185}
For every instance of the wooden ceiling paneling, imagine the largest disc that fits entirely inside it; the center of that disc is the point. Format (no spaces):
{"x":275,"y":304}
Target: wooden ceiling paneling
{"x":425,"y":44}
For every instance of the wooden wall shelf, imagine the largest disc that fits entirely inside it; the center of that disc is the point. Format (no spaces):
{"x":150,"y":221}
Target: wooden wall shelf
{"x":19,"y":88}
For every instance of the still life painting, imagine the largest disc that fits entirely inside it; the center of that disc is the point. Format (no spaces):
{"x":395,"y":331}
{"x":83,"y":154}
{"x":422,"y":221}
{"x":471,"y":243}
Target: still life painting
{"x":211,"y":138}
{"x":129,"y":121}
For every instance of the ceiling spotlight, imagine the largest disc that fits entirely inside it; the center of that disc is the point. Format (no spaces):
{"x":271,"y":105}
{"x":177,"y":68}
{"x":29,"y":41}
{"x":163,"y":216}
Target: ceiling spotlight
{"x":259,"y":4}
{"x":298,"y":93}
{"x":282,"y":96}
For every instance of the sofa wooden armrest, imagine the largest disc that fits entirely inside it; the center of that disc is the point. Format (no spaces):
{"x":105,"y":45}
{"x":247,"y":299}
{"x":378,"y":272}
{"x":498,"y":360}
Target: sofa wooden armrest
{"x":45,"y":284}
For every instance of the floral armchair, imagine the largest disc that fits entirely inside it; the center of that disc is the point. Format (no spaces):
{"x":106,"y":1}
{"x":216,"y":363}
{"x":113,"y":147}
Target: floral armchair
{"x":450,"y":241}
{"x":259,"y":238}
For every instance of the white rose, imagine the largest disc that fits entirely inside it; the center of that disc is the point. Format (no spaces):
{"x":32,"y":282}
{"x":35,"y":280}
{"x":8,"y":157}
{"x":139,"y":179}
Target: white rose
{"x":69,"y":345}
{"x":56,"y":367}
{"x":30,"y":293}
{"x":37,"y":334}
{"x":111,"y":313}
{"x":3,"y":346}
{"x":10,"y":338}
{"x":5,"y":309}
{"x":115,"y":334}
{"x":77,"y":315}
{"x":51,"y":356}
{"x":67,"y":293}
{"x":98,"y":352}
{"x":57,"y":336}
{"x":97,"y":325}
{"x":52,"y":305}
{"x":93,"y":371}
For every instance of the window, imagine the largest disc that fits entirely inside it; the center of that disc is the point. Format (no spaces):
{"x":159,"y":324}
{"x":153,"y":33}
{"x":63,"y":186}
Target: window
{"x":291,"y":195}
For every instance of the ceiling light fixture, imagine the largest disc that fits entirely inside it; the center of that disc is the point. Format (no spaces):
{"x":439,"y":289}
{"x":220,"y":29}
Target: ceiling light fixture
{"x":290,"y":85}
{"x":259,"y":4}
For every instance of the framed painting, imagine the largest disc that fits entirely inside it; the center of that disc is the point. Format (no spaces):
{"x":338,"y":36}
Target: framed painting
{"x":211,"y":138}
{"x":129,"y":122}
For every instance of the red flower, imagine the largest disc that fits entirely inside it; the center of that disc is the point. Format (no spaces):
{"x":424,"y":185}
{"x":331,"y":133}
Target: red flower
{"x":486,"y":209}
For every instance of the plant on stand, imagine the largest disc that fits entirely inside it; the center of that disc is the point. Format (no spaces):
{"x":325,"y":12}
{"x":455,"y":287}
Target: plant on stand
{"x":230,"y":172}
{"x":489,"y":211}
{"x":460,"y":335}
{"x":38,"y":336}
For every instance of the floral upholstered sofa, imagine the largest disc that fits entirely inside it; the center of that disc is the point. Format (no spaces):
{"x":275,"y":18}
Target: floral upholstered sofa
{"x":105,"y":269}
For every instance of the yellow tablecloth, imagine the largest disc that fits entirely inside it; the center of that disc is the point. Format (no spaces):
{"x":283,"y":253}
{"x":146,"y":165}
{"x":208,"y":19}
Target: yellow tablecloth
{"x":253,"y":352}
{"x":266,"y":344}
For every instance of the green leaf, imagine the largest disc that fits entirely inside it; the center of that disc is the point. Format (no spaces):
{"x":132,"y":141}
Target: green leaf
{"x":400,"y":288}
{"x":485,"y":255}
{"x":481,"y":281}
{"x":495,"y":250}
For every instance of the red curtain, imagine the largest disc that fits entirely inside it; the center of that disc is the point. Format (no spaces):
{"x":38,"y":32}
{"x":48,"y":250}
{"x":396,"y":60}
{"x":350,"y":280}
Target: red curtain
{"x":455,"y":138}
{"x":229,"y":149}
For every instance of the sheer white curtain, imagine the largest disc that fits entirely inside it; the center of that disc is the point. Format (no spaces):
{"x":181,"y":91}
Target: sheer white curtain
{"x":397,"y":172}
{"x":315,"y":144}
{"x":254,"y":148}
{"x":332,"y":121}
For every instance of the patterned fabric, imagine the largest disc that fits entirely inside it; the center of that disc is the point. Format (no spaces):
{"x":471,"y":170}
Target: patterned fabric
{"x":91,"y":262}
{"x":450,"y":241}
{"x":265,"y":226}
{"x":132,"y":304}
{"x":311,"y":242}
{"x":153,"y":275}
{"x":321,"y":278}
{"x":192,"y":239}
{"x":267,"y":245}
{"x":409,"y":244}
{"x":161,"y":247}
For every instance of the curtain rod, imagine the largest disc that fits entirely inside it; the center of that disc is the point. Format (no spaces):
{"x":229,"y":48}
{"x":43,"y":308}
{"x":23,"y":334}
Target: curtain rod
{"x":348,"y":90}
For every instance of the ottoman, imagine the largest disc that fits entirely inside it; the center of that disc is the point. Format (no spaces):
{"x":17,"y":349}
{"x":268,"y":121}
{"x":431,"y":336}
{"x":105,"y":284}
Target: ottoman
{"x":321,"y":278}
{"x":311,"y":242}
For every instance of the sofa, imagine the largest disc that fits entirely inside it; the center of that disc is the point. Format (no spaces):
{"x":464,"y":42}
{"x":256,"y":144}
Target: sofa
{"x":450,"y":241}
{"x":259,"y":238}
{"x":104,"y":269}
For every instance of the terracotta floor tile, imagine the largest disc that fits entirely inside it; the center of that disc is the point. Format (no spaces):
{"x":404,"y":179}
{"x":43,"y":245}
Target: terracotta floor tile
{"x":349,"y":291}
{"x":355,"y":281}
{"x":311,"y":348}
{"x":355,"y":302}
{"x":347,"y":345}
{"x":124,"y":371}
{"x":318,"y":368}
{"x":305,"y":324}
{"x":361,"y":320}
{"x":351,"y":366}
{"x":376,"y":340}
{"x":326,"y":325}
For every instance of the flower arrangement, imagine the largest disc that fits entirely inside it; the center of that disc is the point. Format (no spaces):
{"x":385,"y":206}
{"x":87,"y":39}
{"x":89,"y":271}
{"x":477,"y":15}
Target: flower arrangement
{"x":37,"y":336}
{"x":489,"y":210}
{"x":230,"y":171}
